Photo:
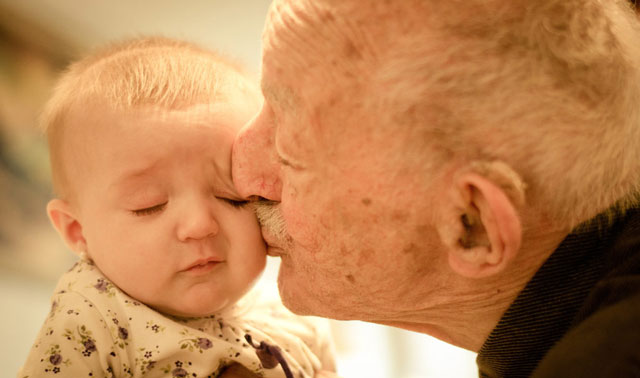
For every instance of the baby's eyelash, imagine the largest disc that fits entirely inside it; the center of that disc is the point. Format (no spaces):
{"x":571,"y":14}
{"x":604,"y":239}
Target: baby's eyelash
{"x":238,"y":204}
{"x":149,"y":210}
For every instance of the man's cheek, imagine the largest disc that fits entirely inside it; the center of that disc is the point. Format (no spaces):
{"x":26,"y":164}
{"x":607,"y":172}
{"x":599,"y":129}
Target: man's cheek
{"x":300,"y":227}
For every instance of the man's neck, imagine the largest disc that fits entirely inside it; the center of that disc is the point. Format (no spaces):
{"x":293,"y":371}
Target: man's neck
{"x":471,"y":308}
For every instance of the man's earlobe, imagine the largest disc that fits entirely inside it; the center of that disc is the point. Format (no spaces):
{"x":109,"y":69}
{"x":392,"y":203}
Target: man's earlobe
{"x":482,"y":229}
{"x":69,"y":228}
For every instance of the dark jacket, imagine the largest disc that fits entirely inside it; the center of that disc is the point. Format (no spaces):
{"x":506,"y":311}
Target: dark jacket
{"x":579,"y":316}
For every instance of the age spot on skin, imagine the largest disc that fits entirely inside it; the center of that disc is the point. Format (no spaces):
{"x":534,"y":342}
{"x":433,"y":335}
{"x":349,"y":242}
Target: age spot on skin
{"x":411,"y":248}
{"x":366,"y":201}
{"x":400,"y":216}
{"x":351,"y":51}
{"x":351,"y":278}
{"x":326,"y":17}
{"x":365,"y":256}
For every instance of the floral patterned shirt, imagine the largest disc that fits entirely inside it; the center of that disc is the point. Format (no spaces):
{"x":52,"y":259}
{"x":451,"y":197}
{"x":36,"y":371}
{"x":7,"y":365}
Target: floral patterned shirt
{"x":96,"y":330}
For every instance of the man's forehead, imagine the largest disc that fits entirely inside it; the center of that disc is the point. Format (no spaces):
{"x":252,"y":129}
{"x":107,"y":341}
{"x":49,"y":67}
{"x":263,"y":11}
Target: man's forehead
{"x":302,"y":28}
{"x":325,"y":38}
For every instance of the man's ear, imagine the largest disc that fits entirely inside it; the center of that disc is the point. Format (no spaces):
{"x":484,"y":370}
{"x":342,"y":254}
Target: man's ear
{"x":481,"y":226}
{"x":66,"y":222}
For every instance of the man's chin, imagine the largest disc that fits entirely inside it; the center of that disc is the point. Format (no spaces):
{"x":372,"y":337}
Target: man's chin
{"x":300,"y":295}
{"x":293,"y":295}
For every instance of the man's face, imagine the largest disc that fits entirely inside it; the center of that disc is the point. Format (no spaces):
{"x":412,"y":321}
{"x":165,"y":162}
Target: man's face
{"x":155,"y":201}
{"x":352,"y":202}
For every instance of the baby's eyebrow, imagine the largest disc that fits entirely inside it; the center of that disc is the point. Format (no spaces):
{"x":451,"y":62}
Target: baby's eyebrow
{"x":131,"y":175}
{"x":134,"y":174}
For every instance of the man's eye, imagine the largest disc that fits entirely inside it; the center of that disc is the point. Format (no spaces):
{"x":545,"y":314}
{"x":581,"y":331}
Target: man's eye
{"x":238,"y":204}
{"x":284,"y":162}
{"x":288,"y":164}
{"x":149,"y":210}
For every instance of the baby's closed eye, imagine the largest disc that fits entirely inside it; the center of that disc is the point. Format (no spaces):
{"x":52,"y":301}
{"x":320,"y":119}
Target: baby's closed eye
{"x":149,"y":210}
{"x":238,"y":204}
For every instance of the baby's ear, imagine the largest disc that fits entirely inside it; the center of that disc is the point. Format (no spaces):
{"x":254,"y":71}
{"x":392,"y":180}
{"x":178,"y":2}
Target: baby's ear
{"x":66,"y":222}
{"x":481,"y":226}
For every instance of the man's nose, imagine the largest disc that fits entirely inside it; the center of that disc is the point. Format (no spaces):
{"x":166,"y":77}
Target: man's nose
{"x":255,"y":165}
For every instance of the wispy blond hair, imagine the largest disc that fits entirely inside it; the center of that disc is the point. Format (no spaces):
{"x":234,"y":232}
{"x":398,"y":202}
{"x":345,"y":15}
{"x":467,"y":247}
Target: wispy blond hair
{"x":147,"y":71}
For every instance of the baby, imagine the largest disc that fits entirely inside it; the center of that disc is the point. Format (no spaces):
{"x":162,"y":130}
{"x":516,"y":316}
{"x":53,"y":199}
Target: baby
{"x":140,"y":139}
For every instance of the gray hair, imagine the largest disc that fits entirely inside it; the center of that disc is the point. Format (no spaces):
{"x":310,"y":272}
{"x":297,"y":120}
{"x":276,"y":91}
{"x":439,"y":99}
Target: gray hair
{"x":550,"y":87}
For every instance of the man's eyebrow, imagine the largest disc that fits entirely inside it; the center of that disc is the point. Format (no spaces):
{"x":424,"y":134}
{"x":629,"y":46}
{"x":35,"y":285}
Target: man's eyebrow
{"x":270,"y":93}
{"x":279,"y":96}
{"x":284,"y":161}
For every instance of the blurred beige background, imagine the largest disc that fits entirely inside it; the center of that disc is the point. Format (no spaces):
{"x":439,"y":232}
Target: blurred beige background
{"x":37,"y":40}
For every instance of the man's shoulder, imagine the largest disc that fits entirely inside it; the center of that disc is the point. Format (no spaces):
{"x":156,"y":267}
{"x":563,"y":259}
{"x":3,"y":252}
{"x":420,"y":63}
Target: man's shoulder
{"x":604,"y":344}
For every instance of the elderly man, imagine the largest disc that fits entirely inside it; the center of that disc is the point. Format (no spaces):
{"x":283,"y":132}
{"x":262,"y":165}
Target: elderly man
{"x":464,"y":169}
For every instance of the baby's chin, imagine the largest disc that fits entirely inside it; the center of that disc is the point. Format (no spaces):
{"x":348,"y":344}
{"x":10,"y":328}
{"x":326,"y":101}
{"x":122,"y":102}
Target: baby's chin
{"x":194,"y":310}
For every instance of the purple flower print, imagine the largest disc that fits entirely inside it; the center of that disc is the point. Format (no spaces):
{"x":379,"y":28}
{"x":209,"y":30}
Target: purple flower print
{"x":204,"y":343}
{"x":101,"y":285}
{"x":123,"y":333}
{"x":90,"y":345}
{"x":55,"y":359}
{"x":179,"y":372}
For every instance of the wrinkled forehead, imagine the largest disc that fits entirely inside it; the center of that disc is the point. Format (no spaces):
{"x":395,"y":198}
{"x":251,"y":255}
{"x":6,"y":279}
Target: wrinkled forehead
{"x":327,"y":36}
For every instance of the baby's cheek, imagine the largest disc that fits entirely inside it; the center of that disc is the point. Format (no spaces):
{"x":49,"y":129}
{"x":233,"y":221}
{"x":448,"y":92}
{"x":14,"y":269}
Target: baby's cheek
{"x":247,"y":221}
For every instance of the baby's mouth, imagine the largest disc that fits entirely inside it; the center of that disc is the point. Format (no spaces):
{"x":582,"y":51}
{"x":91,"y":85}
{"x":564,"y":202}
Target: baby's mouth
{"x":203,"y":265}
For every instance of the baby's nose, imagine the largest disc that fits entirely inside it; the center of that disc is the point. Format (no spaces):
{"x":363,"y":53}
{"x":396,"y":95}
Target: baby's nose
{"x":197,"y":223}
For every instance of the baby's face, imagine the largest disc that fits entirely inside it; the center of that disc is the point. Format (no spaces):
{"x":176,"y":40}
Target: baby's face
{"x":158,"y":208}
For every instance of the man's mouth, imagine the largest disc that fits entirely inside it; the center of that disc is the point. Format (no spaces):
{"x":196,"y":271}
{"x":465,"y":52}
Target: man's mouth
{"x":269,"y":238}
{"x":274,"y":251}
{"x":275,"y":246}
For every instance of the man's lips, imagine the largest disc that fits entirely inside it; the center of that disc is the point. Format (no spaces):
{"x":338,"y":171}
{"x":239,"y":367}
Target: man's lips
{"x":273,"y":249}
{"x":268,"y":237}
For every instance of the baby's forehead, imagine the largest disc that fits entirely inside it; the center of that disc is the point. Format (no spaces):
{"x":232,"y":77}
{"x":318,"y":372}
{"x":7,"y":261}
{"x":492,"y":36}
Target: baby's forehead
{"x":96,"y":129}
{"x":86,"y":114}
